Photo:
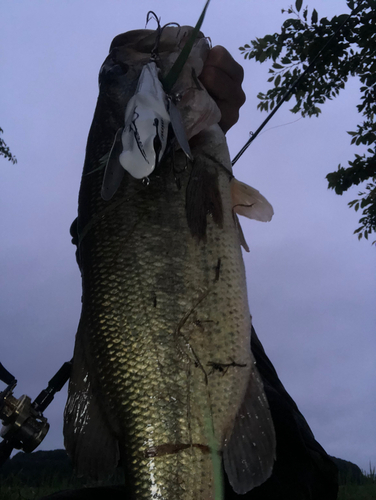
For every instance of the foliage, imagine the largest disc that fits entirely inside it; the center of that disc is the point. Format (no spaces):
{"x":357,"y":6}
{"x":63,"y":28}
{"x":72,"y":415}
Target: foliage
{"x":4,"y":150}
{"x":350,"y":53}
{"x":356,"y":492}
{"x":33,"y":475}
{"x":364,"y":491}
{"x":22,"y":485}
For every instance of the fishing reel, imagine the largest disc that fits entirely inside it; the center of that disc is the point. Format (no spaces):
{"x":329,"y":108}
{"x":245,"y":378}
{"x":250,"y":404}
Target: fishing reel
{"x":24,"y":426}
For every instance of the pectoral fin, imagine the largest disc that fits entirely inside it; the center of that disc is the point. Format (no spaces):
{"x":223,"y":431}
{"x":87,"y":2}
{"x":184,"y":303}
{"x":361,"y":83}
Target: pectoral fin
{"x":249,"y":202}
{"x":203,"y":197}
{"x":179,"y":130}
{"x":239,"y":229}
{"x":249,"y":452}
{"x":93,"y":449}
{"x":114,"y":172}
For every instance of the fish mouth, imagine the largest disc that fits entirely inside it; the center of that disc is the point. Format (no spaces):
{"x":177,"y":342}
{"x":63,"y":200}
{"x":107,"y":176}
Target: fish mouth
{"x":172,"y":448}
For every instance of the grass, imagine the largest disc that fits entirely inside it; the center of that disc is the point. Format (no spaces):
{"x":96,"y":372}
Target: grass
{"x":14,"y":487}
{"x":17,"y":487}
{"x":365,"y":491}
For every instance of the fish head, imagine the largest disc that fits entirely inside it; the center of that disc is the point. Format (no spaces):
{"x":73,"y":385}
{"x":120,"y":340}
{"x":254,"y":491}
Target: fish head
{"x":132,"y":98}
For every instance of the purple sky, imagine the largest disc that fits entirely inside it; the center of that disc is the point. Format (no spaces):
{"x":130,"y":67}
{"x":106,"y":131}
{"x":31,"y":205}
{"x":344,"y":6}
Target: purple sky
{"x":311,"y":284}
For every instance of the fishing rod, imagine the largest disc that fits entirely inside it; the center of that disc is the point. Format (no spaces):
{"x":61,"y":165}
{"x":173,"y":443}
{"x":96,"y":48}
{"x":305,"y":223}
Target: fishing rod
{"x":290,"y":90}
{"x":24,"y":425}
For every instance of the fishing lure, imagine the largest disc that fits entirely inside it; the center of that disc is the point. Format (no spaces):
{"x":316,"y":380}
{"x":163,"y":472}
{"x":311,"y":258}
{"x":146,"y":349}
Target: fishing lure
{"x":140,"y":145}
{"x":143,"y":139}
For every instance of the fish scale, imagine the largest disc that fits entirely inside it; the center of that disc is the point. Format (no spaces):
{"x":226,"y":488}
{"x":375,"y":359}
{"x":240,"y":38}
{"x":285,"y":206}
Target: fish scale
{"x":151,"y":357}
{"x":160,"y":308}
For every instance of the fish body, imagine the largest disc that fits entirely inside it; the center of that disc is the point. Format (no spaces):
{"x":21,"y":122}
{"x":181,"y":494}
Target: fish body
{"x":163,"y":375}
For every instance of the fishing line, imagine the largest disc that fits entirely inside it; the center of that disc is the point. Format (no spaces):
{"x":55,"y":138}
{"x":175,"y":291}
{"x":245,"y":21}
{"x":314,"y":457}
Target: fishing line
{"x":289,"y":91}
{"x":277,"y":126}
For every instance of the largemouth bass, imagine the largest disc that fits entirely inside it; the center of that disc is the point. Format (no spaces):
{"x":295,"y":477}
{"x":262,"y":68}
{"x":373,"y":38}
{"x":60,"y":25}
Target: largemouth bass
{"x":163,"y":376}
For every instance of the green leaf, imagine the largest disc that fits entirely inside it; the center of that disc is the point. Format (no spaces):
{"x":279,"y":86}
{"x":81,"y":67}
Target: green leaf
{"x":261,"y":58}
{"x":298,"y":5}
{"x":341,"y":18}
{"x":5,"y":151}
{"x":295,"y":109}
{"x":175,"y":71}
{"x":314,"y":16}
{"x":277,"y":80}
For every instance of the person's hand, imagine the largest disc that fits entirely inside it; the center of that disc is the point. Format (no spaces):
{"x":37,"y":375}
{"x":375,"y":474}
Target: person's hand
{"x":222,"y":77}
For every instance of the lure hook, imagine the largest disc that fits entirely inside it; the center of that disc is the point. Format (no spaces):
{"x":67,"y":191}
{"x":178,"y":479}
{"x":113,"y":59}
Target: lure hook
{"x":154,"y":50}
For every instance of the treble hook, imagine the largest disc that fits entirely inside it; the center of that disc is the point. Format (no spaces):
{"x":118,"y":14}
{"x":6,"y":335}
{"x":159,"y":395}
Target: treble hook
{"x":154,"y":51}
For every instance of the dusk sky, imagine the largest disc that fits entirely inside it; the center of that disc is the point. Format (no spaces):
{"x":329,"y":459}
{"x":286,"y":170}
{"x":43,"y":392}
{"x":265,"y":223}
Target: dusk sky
{"x":311,"y":284}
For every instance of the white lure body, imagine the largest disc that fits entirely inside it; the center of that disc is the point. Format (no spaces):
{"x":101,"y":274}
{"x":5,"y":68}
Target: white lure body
{"x":144,"y":137}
